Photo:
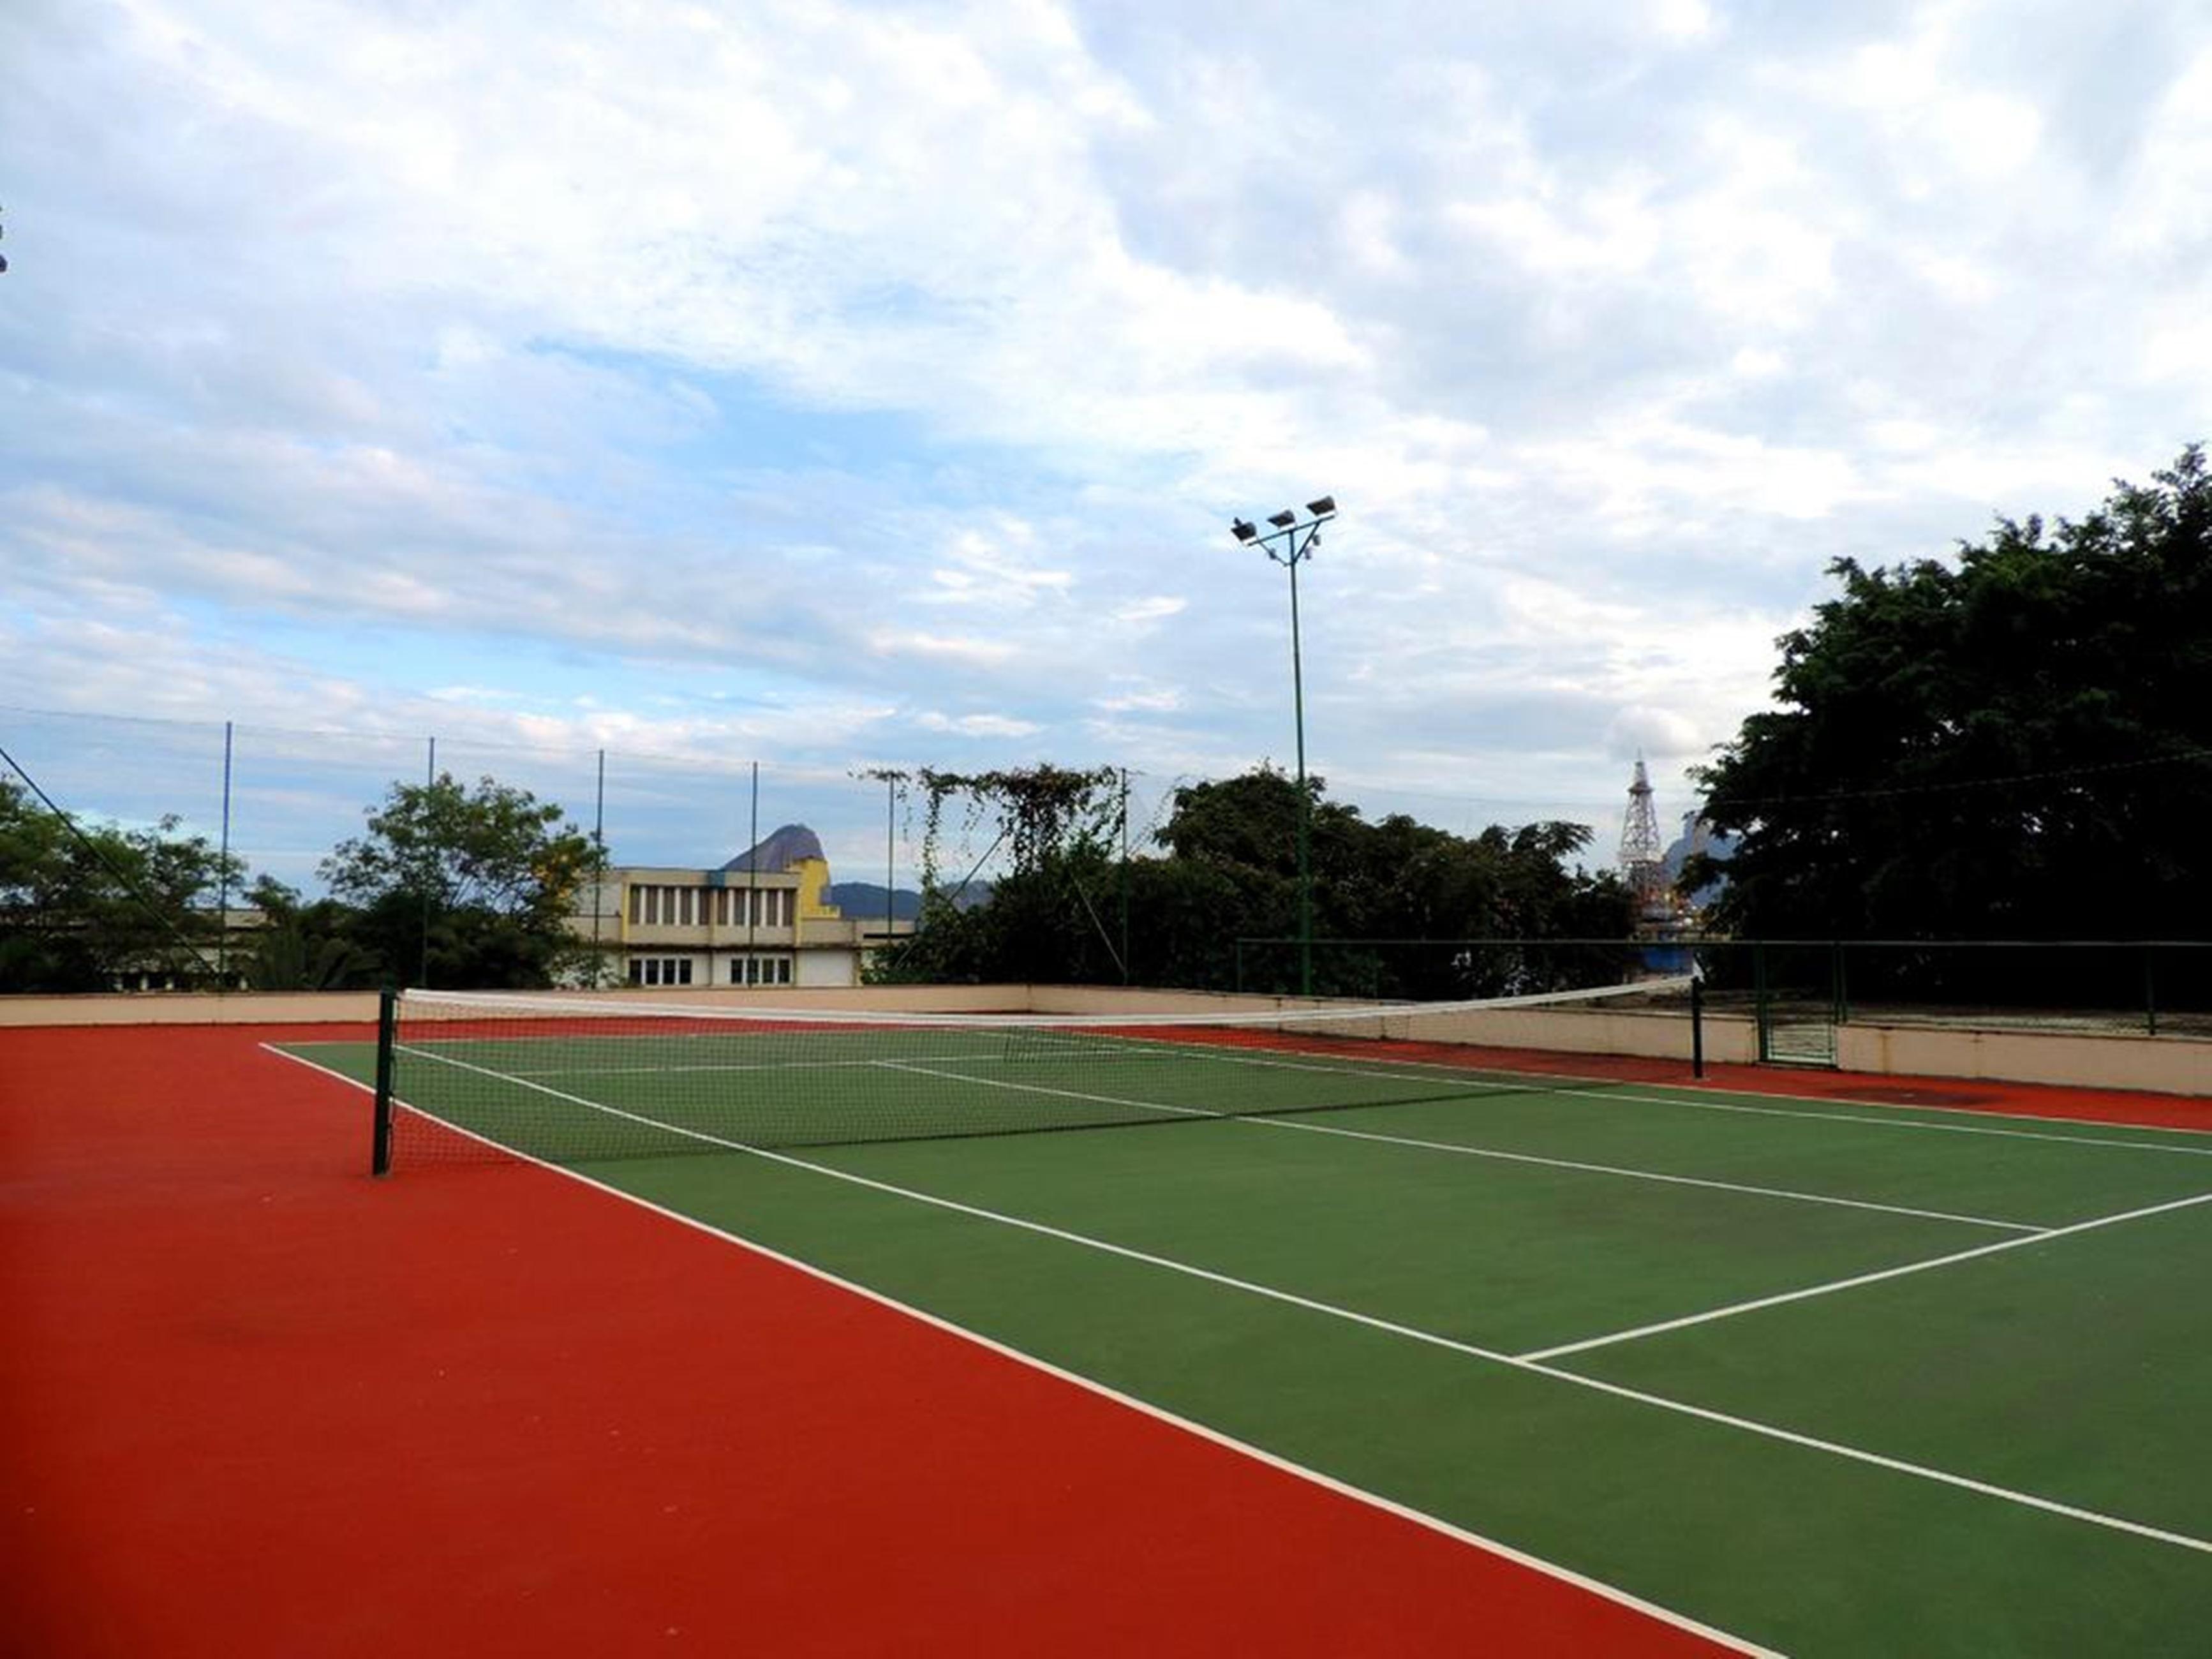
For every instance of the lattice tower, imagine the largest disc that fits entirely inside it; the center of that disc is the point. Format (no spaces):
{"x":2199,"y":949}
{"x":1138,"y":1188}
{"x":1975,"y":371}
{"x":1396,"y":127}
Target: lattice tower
{"x":1642,"y":854}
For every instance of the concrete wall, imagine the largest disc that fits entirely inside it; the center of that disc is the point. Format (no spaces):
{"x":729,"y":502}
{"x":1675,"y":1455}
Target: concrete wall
{"x":2172,"y":1065}
{"x":182,"y":1008}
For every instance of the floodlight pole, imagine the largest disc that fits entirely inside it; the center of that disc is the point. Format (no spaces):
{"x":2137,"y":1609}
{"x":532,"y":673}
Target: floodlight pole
{"x":1289,"y":544}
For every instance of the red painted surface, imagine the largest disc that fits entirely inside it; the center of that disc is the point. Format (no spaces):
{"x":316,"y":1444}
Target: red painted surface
{"x":253,"y":1402}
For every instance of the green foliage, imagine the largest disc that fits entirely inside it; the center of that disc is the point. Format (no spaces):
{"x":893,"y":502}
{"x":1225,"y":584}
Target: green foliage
{"x":307,"y":947}
{"x":460,"y":886}
{"x":2015,"y":744}
{"x":1230,"y":871}
{"x":83,"y":908}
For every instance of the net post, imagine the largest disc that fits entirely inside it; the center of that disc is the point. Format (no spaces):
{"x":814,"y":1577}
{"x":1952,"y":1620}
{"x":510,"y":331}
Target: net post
{"x":387,"y":1042}
{"x":1697,"y":1023}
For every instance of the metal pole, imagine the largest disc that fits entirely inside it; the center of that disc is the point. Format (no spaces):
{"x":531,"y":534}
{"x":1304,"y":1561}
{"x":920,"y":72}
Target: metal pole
{"x":1125,"y":875}
{"x":753,"y":883}
{"x":599,"y":874}
{"x":891,"y":860}
{"x":388,"y":1044}
{"x":1697,"y":1024}
{"x":1306,"y":803}
{"x":430,"y":784}
{"x":1296,"y":541}
{"x":222,"y":867}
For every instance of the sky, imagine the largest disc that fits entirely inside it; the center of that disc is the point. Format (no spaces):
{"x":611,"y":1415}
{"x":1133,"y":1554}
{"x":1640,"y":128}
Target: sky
{"x":833,"y":386}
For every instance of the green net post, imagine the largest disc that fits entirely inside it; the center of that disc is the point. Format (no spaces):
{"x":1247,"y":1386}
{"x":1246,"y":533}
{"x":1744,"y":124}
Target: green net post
{"x":1760,"y":1009}
{"x":387,"y":1041}
{"x":1696,"y":1025}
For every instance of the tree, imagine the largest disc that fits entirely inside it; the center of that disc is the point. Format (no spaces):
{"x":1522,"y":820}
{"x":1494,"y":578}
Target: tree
{"x":1228,"y":872}
{"x":306,"y":947}
{"x":1041,"y":921}
{"x":1397,"y":880}
{"x":465,"y":887}
{"x":2015,"y":744}
{"x":84,"y":908}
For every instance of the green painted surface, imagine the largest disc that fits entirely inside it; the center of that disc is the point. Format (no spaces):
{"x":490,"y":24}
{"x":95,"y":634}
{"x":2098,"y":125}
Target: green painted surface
{"x":2074,"y":1369}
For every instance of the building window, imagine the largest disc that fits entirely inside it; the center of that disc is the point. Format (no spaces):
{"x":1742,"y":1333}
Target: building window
{"x":636,"y":971}
{"x":636,"y":906}
{"x":683,"y":970}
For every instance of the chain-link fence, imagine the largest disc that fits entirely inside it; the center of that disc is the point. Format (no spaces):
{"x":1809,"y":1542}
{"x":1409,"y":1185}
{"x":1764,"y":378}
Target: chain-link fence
{"x":1799,"y":990}
{"x":280,"y":801}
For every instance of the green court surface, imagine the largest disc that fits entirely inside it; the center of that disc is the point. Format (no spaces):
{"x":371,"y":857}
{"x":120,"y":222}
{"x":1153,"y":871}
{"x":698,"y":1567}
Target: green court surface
{"x":1834,"y":1378}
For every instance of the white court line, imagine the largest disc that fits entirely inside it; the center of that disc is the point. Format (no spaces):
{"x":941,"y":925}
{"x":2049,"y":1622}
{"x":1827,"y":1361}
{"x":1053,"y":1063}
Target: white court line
{"x":1834,"y":1285}
{"x":1090,"y":1385}
{"x":1537,"y":1082}
{"x":1466,"y":1150}
{"x":1748,"y":1425}
{"x":1477,"y":1081}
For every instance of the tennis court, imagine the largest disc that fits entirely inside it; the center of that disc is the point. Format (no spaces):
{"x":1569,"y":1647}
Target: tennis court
{"x":1828,"y":1378}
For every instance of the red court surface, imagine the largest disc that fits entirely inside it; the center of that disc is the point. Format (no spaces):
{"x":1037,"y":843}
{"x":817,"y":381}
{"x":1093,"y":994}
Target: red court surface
{"x":253,"y":1403}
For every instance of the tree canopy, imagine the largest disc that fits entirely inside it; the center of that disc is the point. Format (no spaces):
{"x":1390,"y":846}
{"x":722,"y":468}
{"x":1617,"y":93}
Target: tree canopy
{"x":2014,"y":744}
{"x":460,"y":885}
{"x":1224,"y":868}
{"x":82,"y":907}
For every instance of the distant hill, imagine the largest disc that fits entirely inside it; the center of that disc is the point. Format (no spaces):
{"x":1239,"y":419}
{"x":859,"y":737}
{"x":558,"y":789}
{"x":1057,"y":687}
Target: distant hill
{"x":783,"y":848}
{"x":1698,"y":837}
{"x":861,"y":900}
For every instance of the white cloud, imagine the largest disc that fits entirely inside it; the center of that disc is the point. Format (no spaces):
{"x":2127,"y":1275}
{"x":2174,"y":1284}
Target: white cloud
{"x":978,"y":725}
{"x":829,"y":374}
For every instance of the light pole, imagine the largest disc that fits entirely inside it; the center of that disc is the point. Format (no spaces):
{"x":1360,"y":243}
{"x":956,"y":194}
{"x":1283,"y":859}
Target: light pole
{"x":1289,"y":541}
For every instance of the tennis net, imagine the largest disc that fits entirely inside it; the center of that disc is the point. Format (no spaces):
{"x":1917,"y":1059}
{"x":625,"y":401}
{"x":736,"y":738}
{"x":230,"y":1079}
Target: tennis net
{"x":573,"y":1079}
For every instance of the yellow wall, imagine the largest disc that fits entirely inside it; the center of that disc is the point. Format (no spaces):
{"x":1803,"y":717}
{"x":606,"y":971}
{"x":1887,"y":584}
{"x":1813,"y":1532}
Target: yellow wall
{"x":813,"y":887}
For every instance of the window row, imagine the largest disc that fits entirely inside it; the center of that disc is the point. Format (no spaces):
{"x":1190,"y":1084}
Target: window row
{"x":677,"y":970}
{"x":712,"y":907}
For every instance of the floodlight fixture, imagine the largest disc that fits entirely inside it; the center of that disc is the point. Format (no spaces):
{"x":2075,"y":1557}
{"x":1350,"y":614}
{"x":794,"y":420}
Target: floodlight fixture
{"x":1289,"y":544}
